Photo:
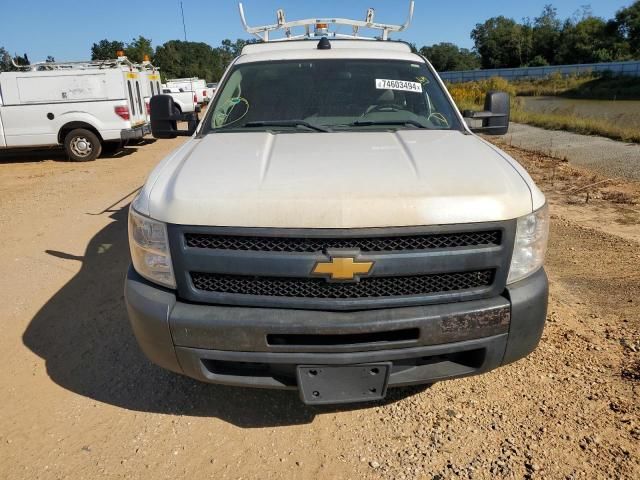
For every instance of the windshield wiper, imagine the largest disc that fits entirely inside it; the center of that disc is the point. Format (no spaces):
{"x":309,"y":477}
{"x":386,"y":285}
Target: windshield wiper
{"x":387,"y":123}
{"x":285,"y":123}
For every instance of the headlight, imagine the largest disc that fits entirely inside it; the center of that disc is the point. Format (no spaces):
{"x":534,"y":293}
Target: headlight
{"x":149,"y":246}
{"x":531,"y":245}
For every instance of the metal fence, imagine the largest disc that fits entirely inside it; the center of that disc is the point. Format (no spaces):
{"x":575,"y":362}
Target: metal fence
{"x":617,"y":68}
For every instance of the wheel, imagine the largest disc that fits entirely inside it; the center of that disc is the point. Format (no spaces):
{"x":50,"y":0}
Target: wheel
{"x":82,"y":145}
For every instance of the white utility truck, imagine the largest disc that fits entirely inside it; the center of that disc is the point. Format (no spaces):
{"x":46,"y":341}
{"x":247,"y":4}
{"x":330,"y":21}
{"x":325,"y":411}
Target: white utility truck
{"x":83,"y":106}
{"x":149,"y":81}
{"x":195,"y":85}
{"x":334,"y":226}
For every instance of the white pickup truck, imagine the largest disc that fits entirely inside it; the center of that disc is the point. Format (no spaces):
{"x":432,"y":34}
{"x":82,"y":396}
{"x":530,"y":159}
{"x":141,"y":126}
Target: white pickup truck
{"x":335,"y":227}
{"x":186,"y":102}
{"x":210,"y":91}
{"x":82,"y":106}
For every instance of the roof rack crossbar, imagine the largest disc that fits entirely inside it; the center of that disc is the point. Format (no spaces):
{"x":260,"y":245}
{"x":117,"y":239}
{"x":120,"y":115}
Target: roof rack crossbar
{"x":263,"y":32}
{"x":84,"y":64}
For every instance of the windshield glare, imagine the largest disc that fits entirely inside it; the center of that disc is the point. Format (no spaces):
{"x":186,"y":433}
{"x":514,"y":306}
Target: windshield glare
{"x":336,"y":94}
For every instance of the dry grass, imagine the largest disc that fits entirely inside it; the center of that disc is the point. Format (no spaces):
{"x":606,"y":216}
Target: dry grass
{"x":571,"y":123}
{"x":619,"y":197}
{"x":554,"y":85}
{"x":470,"y":95}
{"x":585,"y":86}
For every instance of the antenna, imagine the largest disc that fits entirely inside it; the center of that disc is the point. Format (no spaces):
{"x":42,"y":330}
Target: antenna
{"x":184,"y":25}
{"x":184,"y":28}
{"x":321,"y":26}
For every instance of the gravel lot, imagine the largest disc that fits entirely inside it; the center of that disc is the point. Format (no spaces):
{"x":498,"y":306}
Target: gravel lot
{"x":611,"y":158}
{"x":80,"y":401}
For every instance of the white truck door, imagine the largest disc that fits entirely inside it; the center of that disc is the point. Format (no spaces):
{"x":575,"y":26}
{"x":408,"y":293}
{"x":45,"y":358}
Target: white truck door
{"x":154,"y":83}
{"x":134,"y":97}
{"x":139,"y":97}
{"x":147,"y":90}
{"x":150,"y":86}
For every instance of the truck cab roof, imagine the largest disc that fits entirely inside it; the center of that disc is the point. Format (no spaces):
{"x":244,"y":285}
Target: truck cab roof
{"x":304,"y":49}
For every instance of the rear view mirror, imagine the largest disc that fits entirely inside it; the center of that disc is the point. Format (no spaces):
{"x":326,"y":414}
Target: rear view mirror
{"x":496,"y":114}
{"x":165,"y":117}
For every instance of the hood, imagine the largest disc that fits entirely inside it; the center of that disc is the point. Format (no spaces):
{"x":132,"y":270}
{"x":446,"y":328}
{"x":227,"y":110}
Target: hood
{"x":337,"y":180}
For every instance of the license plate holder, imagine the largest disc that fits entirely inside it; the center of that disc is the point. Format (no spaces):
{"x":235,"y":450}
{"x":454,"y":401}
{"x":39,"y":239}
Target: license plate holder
{"x":330,"y":384}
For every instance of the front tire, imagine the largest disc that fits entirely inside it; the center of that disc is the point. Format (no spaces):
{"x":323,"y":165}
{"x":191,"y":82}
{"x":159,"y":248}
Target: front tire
{"x":82,"y":145}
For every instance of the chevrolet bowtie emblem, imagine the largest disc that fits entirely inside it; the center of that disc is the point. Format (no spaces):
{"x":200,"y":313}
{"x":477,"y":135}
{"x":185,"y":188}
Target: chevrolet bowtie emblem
{"x":343,"y":269}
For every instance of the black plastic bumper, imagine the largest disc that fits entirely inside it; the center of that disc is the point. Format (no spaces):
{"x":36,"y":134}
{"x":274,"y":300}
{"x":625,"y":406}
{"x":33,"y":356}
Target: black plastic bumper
{"x":136,"y":132}
{"x":262,"y":347}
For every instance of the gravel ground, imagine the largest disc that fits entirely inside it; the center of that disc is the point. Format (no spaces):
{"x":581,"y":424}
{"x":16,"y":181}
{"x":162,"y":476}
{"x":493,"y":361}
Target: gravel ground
{"x":80,"y":401}
{"x":611,"y":158}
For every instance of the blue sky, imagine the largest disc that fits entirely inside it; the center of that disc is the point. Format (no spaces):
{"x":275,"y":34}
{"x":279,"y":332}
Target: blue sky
{"x":66,"y":29}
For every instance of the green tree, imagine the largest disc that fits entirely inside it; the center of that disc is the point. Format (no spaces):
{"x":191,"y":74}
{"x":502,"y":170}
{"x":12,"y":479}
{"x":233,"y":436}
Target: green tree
{"x":5,"y":61}
{"x":138,"y":48}
{"x":587,"y":41}
{"x":233,"y":49}
{"x":538,"y":61}
{"x":502,"y":42}
{"x":628,"y":25}
{"x":547,"y":29}
{"x":178,"y":59}
{"x":229,"y":49}
{"x":447,"y":57}
{"x":106,"y":49}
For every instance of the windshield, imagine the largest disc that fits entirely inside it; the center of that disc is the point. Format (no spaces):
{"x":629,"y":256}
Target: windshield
{"x":324,"y":95}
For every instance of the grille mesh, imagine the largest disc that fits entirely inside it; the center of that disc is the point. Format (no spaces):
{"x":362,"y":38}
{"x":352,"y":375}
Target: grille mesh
{"x":370,"y":244}
{"x":375,"y":287}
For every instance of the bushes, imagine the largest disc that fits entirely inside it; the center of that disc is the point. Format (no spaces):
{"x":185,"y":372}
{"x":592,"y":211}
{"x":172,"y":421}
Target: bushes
{"x":470,"y":95}
{"x":553,"y":85}
{"x":584,"y":86}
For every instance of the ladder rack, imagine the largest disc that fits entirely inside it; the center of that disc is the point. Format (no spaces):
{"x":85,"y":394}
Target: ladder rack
{"x":146,"y":65}
{"x":80,"y":65}
{"x":321,"y":26}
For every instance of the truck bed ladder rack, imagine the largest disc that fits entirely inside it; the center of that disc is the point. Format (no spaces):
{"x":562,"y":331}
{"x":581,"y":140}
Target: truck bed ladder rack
{"x":321,"y":26}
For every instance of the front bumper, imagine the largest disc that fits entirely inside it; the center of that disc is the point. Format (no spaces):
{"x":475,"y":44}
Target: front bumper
{"x":136,"y":132}
{"x":261,"y":347}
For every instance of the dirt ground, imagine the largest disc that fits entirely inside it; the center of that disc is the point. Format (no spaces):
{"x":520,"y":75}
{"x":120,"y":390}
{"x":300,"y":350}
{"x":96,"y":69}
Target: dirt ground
{"x":78,"y":400}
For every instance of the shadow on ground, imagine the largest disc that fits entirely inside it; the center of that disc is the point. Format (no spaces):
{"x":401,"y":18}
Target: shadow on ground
{"x":57,"y":154}
{"x":84,"y":336}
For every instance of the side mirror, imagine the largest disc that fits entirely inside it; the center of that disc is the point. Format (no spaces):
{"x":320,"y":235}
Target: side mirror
{"x":165,"y":117}
{"x":496,"y":114}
